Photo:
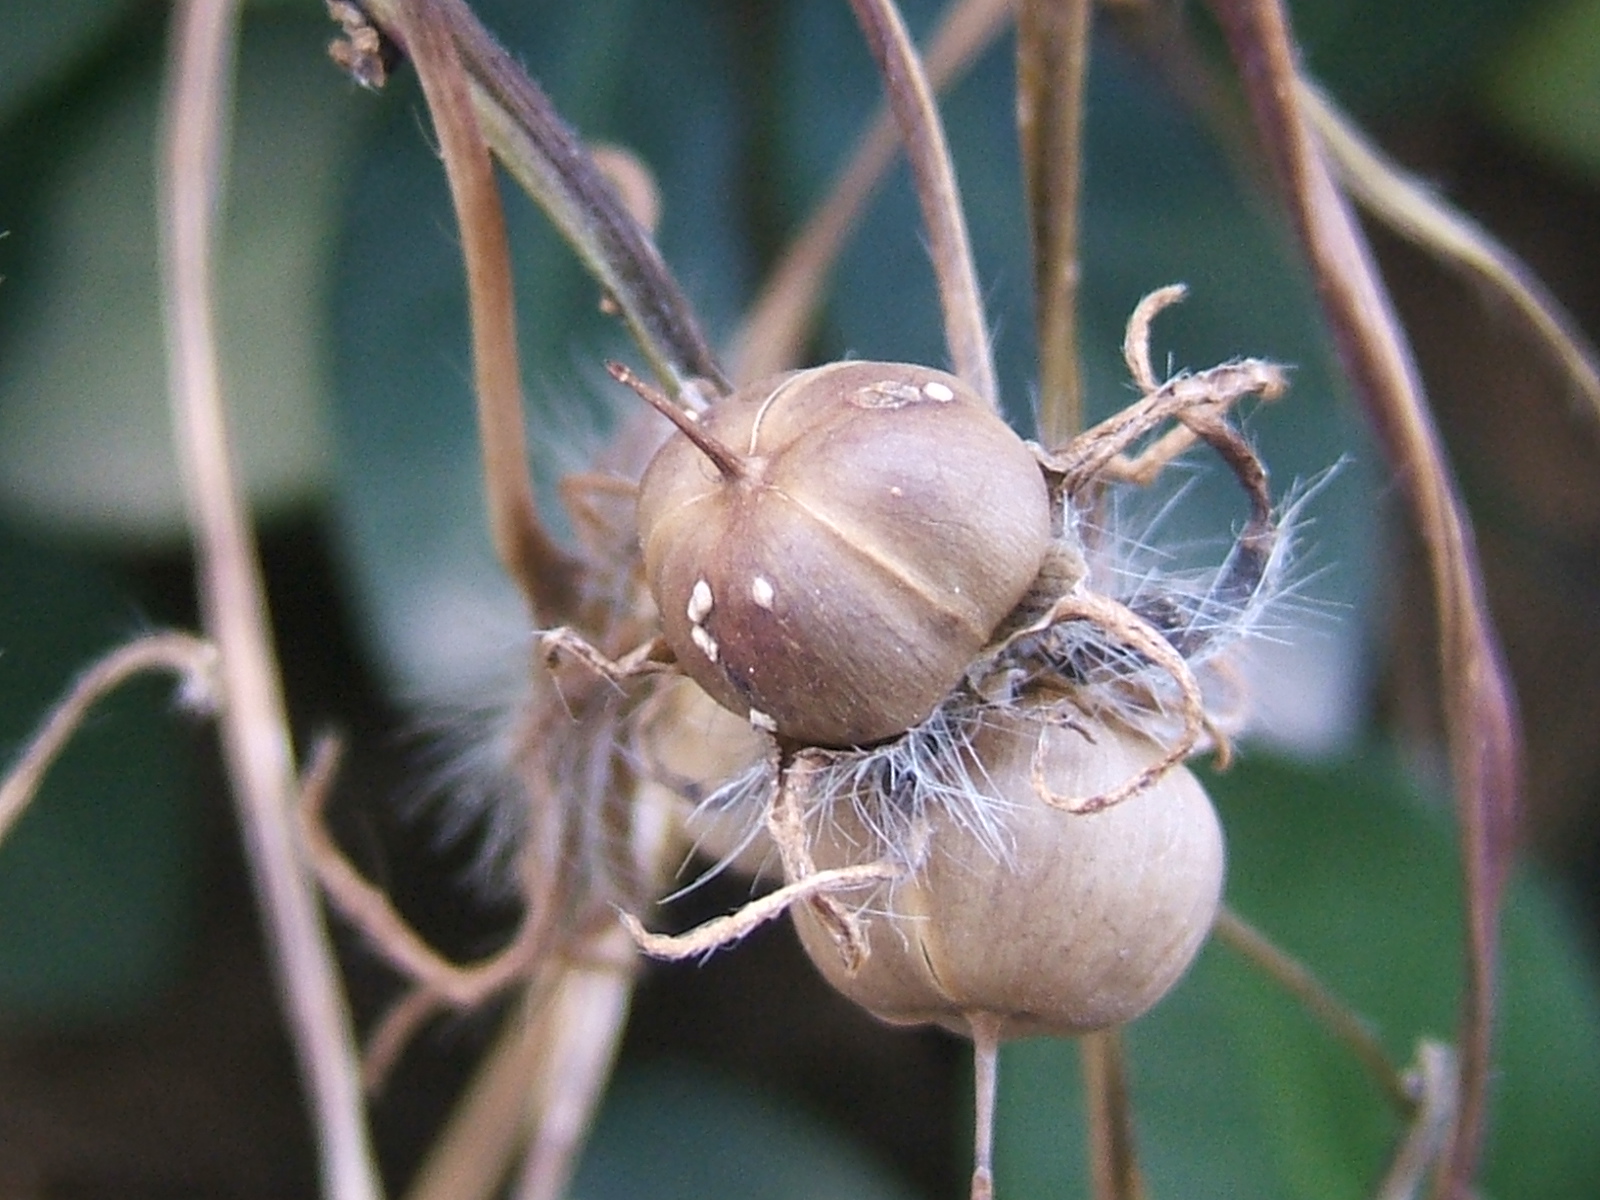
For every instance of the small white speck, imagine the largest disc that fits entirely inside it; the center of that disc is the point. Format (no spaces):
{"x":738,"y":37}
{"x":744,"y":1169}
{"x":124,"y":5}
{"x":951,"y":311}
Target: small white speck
{"x":699,"y":602}
{"x":761,"y":721}
{"x":702,"y":639}
{"x":761,"y":591}
{"x":934,"y":390}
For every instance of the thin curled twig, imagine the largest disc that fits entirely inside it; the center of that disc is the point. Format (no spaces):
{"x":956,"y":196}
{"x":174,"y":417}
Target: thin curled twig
{"x":193,"y":659}
{"x":735,"y":926}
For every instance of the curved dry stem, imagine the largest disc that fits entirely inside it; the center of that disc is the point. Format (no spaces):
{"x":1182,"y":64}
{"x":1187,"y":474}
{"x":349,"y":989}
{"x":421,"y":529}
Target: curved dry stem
{"x":786,"y":826}
{"x":469,"y":1158}
{"x":773,"y":334}
{"x":1408,"y":207}
{"x":1482,"y":728}
{"x":544,"y":155}
{"x":1294,"y":977}
{"x":923,"y":134}
{"x":193,"y":659}
{"x":367,"y":908}
{"x":1136,"y":338}
{"x":1127,"y":627}
{"x":546,"y":574}
{"x":1198,"y":402}
{"x":1052,"y":70}
{"x":735,"y":926}
{"x":255,"y":731}
{"x":1436,"y":1081}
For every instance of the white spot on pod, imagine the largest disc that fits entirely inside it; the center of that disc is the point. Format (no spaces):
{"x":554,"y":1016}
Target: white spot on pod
{"x":934,"y":390}
{"x":700,"y":601}
{"x":762,"y":721}
{"x":761,"y":591}
{"x":706,"y":643}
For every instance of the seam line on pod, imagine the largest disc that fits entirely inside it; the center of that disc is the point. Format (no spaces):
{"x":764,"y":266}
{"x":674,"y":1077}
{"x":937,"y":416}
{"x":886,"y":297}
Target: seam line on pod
{"x":853,"y":542}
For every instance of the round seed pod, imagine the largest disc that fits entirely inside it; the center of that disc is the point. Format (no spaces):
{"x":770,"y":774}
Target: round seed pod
{"x":830,"y":566}
{"x":1088,"y":923}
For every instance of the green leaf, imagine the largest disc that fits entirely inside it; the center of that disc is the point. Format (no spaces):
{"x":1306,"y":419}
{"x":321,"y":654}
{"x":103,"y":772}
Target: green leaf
{"x":1240,"y":1095}
{"x":1377,"y":56}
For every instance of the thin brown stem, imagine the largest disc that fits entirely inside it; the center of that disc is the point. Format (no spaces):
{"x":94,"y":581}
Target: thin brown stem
{"x":725,"y":931}
{"x":1294,"y":977}
{"x":1113,"y":1150}
{"x":579,"y":1028}
{"x":547,"y":158}
{"x":191,"y":658}
{"x":1437,"y":1083}
{"x":1408,"y":207}
{"x":730,"y":465}
{"x":1052,"y":71}
{"x":985,"y":1030}
{"x":255,"y":730}
{"x":774,"y":332}
{"x":921,"y":130}
{"x":1482,"y":728}
{"x":546,"y":574}
{"x":469,"y":1158}
{"x":374,"y":915}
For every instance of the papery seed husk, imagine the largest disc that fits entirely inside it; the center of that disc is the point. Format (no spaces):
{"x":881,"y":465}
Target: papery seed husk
{"x":1089,"y":922}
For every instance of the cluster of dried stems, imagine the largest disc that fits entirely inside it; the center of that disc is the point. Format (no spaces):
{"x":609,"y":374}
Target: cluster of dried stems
{"x":602,"y":832}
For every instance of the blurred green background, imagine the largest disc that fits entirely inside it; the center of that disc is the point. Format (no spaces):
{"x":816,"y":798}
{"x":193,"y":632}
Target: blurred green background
{"x":133,"y":1003}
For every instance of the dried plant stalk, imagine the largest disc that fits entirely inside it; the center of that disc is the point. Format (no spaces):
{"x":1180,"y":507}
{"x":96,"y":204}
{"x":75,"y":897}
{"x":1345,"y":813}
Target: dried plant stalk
{"x":915,"y":112}
{"x":255,"y":732}
{"x":773,"y":334}
{"x":547,"y":159}
{"x":1300,"y":982}
{"x":1437,"y":1083}
{"x":1052,"y":71}
{"x":1481,"y":722}
{"x":541,"y":568}
{"x":1406,"y":206}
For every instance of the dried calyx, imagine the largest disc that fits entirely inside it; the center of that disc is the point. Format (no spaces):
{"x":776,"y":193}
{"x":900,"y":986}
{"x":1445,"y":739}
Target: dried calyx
{"x":830,"y":549}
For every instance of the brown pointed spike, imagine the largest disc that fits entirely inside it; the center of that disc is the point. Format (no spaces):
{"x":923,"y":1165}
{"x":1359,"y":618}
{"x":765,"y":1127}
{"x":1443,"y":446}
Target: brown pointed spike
{"x":726,"y":460}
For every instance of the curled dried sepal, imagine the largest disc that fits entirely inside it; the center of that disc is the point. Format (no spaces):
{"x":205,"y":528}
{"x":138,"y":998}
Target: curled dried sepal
{"x":1085,"y":923}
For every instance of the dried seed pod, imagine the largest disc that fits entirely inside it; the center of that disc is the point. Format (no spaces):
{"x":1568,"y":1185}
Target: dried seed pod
{"x":829,"y":549}
{"x":1088,"y":923}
